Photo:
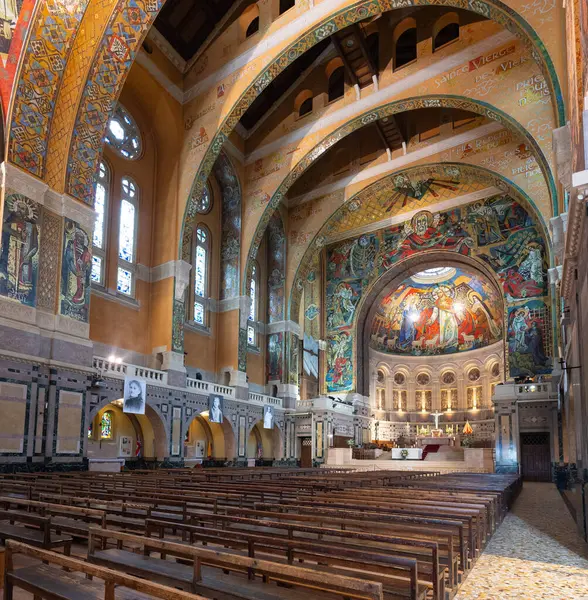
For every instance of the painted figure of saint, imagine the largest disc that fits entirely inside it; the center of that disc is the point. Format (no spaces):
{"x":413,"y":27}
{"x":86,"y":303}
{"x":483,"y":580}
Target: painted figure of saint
{"x":20,"y":245}
{"x":519,"y":327}
{"x":448,"y":330}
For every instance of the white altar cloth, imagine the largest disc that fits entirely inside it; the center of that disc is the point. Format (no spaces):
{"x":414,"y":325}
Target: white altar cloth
{"x":413,"y":453}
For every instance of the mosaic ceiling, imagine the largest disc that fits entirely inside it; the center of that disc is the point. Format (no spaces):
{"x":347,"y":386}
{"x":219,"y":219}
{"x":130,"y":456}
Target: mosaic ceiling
{"x":441,"y":310}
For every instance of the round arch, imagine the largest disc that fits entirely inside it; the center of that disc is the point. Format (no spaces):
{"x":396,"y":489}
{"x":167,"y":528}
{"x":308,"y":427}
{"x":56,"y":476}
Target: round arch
{"x":393,"y":277}
{"x":445,"y":101}
{"x":271,"y":441}
{"x":492,"y":178}
{"x":220,"y":437}
{"x":155,"y":439}
{"x":494,"y":10}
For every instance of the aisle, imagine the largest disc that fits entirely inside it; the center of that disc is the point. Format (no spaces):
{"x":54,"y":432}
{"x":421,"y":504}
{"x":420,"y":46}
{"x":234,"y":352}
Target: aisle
{"x":536,"y":554}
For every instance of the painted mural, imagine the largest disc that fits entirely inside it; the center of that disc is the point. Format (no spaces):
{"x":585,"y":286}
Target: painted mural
{"x":528,"y":330}
{"x":276,"y":268}
{"x":275,"y":357}
{"x":231,"y":226}
{"x":19,"y":258}
{"x":438,"y":311}
{"x":497,"y":230}
{"x":76,"y":267}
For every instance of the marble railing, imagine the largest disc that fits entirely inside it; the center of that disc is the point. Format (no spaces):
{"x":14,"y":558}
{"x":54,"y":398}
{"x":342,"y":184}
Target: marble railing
{"x":121,"y":370}
{"x":323,"y":403}
{"x":263,"y":399}
{"x":206,"y":387}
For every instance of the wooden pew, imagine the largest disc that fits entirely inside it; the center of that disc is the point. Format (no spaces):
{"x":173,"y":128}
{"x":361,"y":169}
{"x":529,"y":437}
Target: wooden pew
{"x":49,"y":580}
{"x":361,"y":561}
{"x":191,"y":577}
{"x":33,"y":530}
{"x":73,"y":520}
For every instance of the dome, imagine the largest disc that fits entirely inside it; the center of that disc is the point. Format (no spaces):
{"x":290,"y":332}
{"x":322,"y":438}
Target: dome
{"x":442,"y":310}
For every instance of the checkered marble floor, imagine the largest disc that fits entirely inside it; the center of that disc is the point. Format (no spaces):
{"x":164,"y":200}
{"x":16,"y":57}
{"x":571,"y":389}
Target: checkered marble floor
{"x":536,"y":554}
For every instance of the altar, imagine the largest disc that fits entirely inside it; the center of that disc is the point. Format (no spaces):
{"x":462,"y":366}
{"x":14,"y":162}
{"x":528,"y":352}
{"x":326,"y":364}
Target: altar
{"x":439,"y":441}
{"x":413,"y":453}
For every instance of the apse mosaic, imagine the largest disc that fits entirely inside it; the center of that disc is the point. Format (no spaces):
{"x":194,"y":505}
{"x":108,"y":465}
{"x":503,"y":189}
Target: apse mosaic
{"x":438,"y":311}
{"x":497,"y":230}
{"x":19,"y":257}
{"x":76,"y":268}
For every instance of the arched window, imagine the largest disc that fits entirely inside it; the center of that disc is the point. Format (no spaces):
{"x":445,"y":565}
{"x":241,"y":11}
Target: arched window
{"x":373,"y":46}
{"x":254,"y":306}
{"x":406,"y":47}
{"x":337,"y":84}
{"x":305,"y":107}
{"x":99,"y":238}
{"x":204,"y":205}
{"x":445,"y":30}
{"x":201,"y":272}
{"x":123,"y":135}
{"x":286,"y":5}
{"x":252,"y":28}
{"x":106,"y":426}
{"x":127,"y":237}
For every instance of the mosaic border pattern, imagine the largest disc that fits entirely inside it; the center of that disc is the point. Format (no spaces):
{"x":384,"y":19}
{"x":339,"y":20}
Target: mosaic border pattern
{"x":320,"y":239}
{"x":123,"y":37}
{"x":48,"y":51}
{"x":387,"y":110}
{"x":495,"y":10}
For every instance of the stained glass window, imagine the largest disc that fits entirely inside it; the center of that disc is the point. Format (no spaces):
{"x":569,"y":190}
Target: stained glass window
{"x":123,"y":135}
{"x":124,"y":282}
{"x":127,"y":231}
{"x":91,"y":431}
{"x":127,"y":238}
{"x":250,"y":335}
{"x":204,"y":205}
{"x":199,"y":313}
{"x":99,"y":238}
{"x":201,"y":261}
{"x":200,"y":272}
{"x":106,"y":426}
{"x":253,"y":294}
{"x":96,"y":269}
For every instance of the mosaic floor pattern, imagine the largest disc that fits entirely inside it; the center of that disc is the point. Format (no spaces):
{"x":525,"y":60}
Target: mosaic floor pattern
{"x":536,"y":554}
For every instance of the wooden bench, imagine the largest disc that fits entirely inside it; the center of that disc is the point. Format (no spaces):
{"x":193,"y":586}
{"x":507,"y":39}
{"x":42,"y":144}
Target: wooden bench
{"x":50,"y":580}
{"x":73,"y":520}
{"x":190,"y":577}
{"x":399,"y":576}
{"x":34,"y":530}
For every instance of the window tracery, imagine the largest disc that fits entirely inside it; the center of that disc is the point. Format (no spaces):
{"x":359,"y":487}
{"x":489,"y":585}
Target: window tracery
{"x":127,"y":242}
{"x":123,"y":135}
{"x":101,"y":200}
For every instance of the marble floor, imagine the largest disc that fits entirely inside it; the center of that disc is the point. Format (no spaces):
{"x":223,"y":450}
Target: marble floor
{"x":536,"y":554}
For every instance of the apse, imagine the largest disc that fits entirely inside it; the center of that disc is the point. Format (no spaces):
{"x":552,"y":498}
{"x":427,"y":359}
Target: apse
{"x":441,"y":310}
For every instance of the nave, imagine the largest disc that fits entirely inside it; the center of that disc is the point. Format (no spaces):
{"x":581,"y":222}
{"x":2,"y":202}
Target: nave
{"x":278,"y":534}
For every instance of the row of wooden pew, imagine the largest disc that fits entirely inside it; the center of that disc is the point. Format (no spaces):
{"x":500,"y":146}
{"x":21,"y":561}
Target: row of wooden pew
{"x":385,"y":535}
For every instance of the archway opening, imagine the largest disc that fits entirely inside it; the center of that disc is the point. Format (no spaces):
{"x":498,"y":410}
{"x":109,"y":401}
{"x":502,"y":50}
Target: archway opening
{"x":264,"y":444}
{"x":208,"y":440}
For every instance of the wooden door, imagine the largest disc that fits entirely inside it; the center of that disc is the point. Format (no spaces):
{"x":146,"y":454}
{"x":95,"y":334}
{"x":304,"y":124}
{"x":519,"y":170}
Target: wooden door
{"x":306,"y":453}
{"x":535,"y":456}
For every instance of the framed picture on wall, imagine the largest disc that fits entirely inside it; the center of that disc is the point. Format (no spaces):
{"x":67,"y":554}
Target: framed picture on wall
{"x":135,"y":395}
{"x":268,"y":417}
{"x":125,"y":446}
{"x":215,"y":408}
{"x":242,"y":435}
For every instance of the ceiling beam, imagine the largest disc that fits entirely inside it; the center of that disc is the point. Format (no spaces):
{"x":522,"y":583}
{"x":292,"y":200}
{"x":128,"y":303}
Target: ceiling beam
{"x":358,"y":33}
{"x":342,"y":56}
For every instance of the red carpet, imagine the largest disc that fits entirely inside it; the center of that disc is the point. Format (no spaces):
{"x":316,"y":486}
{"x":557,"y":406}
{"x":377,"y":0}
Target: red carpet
{"x":430,"y":449}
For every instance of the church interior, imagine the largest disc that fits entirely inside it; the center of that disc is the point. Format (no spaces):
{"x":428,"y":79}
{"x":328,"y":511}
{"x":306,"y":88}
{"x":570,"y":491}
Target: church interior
{"x":291,"y":299}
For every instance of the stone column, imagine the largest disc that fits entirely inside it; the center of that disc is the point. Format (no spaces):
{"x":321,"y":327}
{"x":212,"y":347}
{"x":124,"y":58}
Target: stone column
{"x":506,"y":429}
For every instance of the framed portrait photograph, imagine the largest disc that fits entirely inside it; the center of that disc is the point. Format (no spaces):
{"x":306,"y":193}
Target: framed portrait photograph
{"x":268,"y":416}
{"x":135,"y":396}
{"x":215,"y":408}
